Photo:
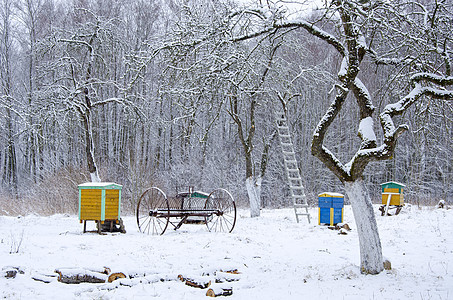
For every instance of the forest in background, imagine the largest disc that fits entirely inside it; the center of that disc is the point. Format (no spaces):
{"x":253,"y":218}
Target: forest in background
{"x":164,"y":110}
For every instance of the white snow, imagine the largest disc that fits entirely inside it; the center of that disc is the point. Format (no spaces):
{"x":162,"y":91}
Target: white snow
{"x":399,"y":183}
{"x":366,"y":130}
{"x":277,"y":258}
{"x":343,"y":68}
{"x":99,"y":184}
{"x":364,"y":91}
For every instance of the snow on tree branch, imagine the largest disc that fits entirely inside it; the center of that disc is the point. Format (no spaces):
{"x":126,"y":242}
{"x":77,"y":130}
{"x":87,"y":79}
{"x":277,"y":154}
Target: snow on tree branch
{"x":366,"y":131}
{"x":363,"y":96}
{"x":280,"y":24}
{"x":314,"y":30}
{"x":433,"y":78}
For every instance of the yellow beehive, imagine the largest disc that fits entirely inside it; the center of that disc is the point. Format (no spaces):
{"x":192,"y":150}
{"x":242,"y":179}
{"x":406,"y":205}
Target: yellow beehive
{"x":393,"y":191}
{"x":99,"y":201}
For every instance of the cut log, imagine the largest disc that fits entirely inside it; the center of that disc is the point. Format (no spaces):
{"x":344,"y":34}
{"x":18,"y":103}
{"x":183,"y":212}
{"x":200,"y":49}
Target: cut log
{"x":11,"y":272}
{"x":76,"y":276}
{"x":219,"y":291}
{"x":213,"y":271}
{"x":138,"y":273}
{"x":196,"y":282}
{"x":226,"y":277}
{"x":232,"y":271}
{"x":133,"y":282}
{"x":45,"y":278}
{"x":116,"y":275}
{"x":342,"y":231}
{"x":102,"y":270}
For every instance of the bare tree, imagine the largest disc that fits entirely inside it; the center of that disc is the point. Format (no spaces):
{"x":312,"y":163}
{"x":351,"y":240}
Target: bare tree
{"x":357,"y":21}
{"x":7,"y":96}
{"x":85,"y":77}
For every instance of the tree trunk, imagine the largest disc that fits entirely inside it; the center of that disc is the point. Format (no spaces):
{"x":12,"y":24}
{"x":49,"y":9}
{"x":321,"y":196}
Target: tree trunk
{"x":89,"y":148}
{"x":371,"y":261}
{"x":258,"y":184}
{"x":253,"y":197}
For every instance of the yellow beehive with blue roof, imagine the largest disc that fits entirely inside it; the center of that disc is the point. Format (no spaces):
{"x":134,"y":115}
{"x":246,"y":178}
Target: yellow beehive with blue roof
{"x":392,"y":191}
{"x":100,"y":202}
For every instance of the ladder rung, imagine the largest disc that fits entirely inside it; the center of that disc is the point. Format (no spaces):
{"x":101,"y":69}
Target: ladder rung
{"x":288,"y":153}
{"x":292,"y":163}
{"x":294,"y":176}
{"x":301,"y":195}
{"x":300,"y":205}
{"x":302,"y":214}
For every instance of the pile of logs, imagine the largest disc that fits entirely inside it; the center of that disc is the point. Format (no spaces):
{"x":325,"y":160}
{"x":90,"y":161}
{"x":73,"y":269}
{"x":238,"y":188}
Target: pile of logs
{"x":216,"y":289}
{"x":217,"y":281}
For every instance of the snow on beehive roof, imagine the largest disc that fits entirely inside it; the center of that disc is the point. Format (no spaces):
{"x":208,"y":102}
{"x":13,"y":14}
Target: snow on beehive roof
{"x":331,"y":194}
{"x":99,"y":184}
{"x":394,"y":182}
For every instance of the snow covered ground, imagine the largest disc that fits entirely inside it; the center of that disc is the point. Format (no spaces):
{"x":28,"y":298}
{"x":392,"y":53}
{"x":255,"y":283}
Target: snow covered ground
{"x":277,"y":258}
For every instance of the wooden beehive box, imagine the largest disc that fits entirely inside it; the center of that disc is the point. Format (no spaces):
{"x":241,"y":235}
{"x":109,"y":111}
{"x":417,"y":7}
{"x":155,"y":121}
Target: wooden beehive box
{"x":331,"y":208}
{"x":99,"y":201}
{"x":394,"y":190}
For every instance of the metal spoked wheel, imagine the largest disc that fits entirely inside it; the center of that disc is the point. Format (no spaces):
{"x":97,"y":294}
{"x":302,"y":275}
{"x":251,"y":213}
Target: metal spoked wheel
{"x":223,"y":218}
{"x":153,"y":212}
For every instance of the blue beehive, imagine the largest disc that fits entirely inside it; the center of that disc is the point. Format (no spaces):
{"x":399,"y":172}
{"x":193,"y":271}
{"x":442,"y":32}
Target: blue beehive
{"x":330,"y":208}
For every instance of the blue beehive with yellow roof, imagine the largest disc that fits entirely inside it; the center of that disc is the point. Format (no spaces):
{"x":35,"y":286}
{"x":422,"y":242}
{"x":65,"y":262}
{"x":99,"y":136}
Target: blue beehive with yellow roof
{"x":330,"y":208}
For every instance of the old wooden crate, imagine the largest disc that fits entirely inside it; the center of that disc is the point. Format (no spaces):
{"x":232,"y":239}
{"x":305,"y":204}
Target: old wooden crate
{"x":99,"y":202}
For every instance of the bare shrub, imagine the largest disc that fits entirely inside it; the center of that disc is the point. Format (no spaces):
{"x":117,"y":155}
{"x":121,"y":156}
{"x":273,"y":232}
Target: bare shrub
{"x":56,"y":193}
{"x":16,"y":242}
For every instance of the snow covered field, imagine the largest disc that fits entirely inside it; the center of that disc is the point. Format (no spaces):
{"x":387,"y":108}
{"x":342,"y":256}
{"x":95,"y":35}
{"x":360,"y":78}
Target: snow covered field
{"x":277,"y":258}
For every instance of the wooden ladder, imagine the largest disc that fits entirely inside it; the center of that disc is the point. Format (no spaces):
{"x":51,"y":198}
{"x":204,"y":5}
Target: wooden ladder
{"x":291,"y":167}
